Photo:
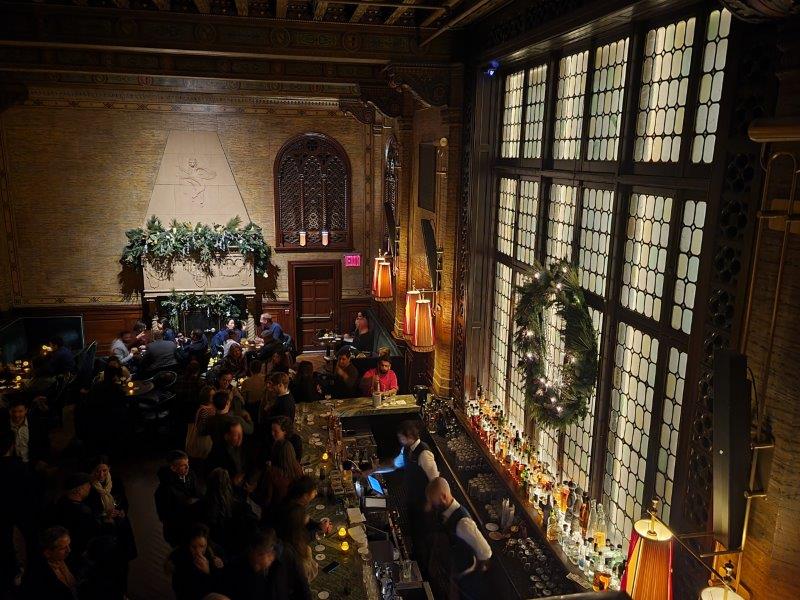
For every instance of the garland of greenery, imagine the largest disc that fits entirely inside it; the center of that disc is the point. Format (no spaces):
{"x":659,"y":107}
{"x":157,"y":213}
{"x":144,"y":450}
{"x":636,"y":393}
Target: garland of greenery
{"x":218,"y":305}
{"x":204,"y":244}
{"x":556,"y":405}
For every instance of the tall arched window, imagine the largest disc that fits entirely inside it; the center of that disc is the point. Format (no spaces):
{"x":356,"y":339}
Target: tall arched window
{"x":391,"y":181}
{"x":312,"y":194}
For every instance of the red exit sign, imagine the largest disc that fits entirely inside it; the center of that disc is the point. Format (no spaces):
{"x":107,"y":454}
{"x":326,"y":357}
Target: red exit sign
{"x":352,"y":260}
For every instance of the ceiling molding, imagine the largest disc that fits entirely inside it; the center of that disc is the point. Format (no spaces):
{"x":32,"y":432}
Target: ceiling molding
{"x":75,"y":27}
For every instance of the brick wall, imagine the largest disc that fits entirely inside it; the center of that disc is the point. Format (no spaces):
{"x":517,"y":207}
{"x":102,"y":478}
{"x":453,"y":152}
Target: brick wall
{"x":79,"y":177}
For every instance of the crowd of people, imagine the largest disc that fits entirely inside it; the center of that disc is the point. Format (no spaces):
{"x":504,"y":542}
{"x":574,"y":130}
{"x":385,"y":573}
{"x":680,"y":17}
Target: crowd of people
{"x":231,"y":497}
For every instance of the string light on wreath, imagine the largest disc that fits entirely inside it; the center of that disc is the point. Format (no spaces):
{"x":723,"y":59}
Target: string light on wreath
{"x":556,"y":406}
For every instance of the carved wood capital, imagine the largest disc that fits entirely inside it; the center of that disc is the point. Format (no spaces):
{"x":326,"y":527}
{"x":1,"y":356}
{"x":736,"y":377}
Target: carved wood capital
{"x":360,"y":110}
{"x":430,"y":84}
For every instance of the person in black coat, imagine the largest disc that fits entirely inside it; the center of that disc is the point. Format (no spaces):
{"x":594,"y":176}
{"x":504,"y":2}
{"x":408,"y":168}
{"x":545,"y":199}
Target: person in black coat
{"x":54,"y":574}
{"x":109,"y":503}
{"x":305,"y":387}
{"x":73,"y":513}
{"x":284,"y":401}
{"x":228,"y":454}
{"x":265,"y":573}
{"x":176,"y":497}
{"x":16,"y":502}
{"x":196,"y":566}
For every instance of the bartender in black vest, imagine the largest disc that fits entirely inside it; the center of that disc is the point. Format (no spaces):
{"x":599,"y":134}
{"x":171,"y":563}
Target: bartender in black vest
{"x":419,"y":468}
{"x":469,"y":551}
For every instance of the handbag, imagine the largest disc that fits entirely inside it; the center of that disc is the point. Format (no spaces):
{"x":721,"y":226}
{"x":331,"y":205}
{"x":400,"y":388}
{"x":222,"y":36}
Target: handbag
{"x":197,"y":445}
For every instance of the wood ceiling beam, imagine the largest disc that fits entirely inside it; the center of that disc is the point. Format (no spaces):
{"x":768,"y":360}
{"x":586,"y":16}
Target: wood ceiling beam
{"x":320,"y":8}
{"x":437,"y":14}
{"x":398,"y":12}
{"x":242,"y":7}
{"x":359,"y":11}
{"x":203,"y":6}
{"x":281,"y":7}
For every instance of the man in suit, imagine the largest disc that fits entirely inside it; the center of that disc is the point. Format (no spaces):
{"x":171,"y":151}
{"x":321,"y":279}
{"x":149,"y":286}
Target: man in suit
{"x":30,"y":434}
{"x":159,"y":355}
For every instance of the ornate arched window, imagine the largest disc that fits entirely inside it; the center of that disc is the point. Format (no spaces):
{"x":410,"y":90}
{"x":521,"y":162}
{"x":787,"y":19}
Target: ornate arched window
{"x":391,"y":181}
{"x":312,"y":194}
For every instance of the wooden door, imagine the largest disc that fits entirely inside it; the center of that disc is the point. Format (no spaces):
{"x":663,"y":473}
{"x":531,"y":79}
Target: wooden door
{"x":316,"y":299}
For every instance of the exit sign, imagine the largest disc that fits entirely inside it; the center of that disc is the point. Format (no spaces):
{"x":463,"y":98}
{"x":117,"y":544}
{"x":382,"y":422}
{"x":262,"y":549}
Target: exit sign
{"x":352,"y":260}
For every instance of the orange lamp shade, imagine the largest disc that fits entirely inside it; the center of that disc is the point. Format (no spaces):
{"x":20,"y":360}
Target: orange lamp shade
{"x":375,"y":270}
{"x":383,"y":291}
{"x":411,"y":313}
{"x":423,"y":327}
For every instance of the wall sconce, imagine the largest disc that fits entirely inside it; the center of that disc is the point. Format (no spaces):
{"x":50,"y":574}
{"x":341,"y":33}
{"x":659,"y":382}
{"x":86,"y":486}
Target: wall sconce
{"x":422,"y":341}
{"x":302,"y":238}
{"x":325,"y":237}
{"x":723,"y":592}
{"x":375,"y":270}
{"x":411,"y":312}
{"x":383,"y":290}
{"x":649,"y":573}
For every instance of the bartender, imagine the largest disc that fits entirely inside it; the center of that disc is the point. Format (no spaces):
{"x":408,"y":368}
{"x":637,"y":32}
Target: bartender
{"x":469,"y":550}
{"x":419,"y":468}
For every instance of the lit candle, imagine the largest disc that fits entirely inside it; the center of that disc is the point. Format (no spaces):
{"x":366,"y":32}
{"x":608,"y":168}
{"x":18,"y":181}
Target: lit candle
{"x":342,"y":532}
{"x":130,"y":384}
{"x":302,"y":238}
{"x":24,"y":363}
{"x":325,"y":237}
{"x":324,"y":456}
{"x":345,"y":546}
{"x":19,"y":378}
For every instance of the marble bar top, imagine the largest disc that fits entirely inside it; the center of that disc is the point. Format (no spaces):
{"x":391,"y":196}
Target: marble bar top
{"x":363,"y":407}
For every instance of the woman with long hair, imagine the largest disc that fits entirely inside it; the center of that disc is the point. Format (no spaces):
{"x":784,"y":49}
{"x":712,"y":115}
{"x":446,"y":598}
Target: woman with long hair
{"x":304,"y":387}
{"x":227,"y":515}
{"x":109,"y":504}
{"x":282,"y":470}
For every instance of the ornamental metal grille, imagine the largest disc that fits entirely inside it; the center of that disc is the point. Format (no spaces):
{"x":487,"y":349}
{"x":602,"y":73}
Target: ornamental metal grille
{"x":312,"y":192}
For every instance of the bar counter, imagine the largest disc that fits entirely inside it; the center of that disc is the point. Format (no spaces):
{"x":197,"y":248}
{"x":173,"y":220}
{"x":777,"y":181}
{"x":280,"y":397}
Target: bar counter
{"x":348,"y":579}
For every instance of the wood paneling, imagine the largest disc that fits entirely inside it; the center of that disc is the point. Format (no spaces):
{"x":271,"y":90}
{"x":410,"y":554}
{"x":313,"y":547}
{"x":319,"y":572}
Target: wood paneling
{"x":281,"y":311}
{"x":100,"y":323}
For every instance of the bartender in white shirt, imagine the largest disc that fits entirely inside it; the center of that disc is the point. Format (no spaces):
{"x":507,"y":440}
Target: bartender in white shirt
{"x":469,"y":550}
{"x":419,"y":468}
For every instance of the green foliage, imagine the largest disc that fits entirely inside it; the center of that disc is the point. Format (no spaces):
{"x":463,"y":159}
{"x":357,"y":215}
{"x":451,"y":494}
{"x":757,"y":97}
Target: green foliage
{"x":558,"y":286}
{"x":216,"y":305}
{"x":204,"y":244}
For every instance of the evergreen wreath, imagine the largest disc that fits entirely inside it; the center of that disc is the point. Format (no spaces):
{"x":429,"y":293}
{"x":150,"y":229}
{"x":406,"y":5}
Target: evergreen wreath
{"x":556,"y":405}
{"x":206,"y":245}
{"x":216,"y":305}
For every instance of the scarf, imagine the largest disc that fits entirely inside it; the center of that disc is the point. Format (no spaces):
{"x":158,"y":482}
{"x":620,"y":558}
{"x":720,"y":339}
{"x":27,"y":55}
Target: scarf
{"x":104,"y":489}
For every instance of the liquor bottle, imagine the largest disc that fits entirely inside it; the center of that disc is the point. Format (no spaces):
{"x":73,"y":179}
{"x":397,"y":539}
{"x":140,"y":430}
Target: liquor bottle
{"x":590,"y":526}
{"x":600,"y":526}
{"x":602,"y":576}
{"x":584,"y":515}
{"x":552,"y":523}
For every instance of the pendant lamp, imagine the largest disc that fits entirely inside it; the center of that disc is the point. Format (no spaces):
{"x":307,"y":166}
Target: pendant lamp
{"x":383,"y":290}
{"x":411,"y":312}
{"x":423,"y":327}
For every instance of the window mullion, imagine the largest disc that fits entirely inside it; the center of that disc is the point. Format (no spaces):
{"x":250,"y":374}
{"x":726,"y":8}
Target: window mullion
{"x":695,"y":75}
{"x":631,"y":100}
{"x":609,"y":341}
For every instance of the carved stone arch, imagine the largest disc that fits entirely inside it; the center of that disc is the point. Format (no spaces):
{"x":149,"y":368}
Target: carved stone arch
{"x":313,"y":188}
